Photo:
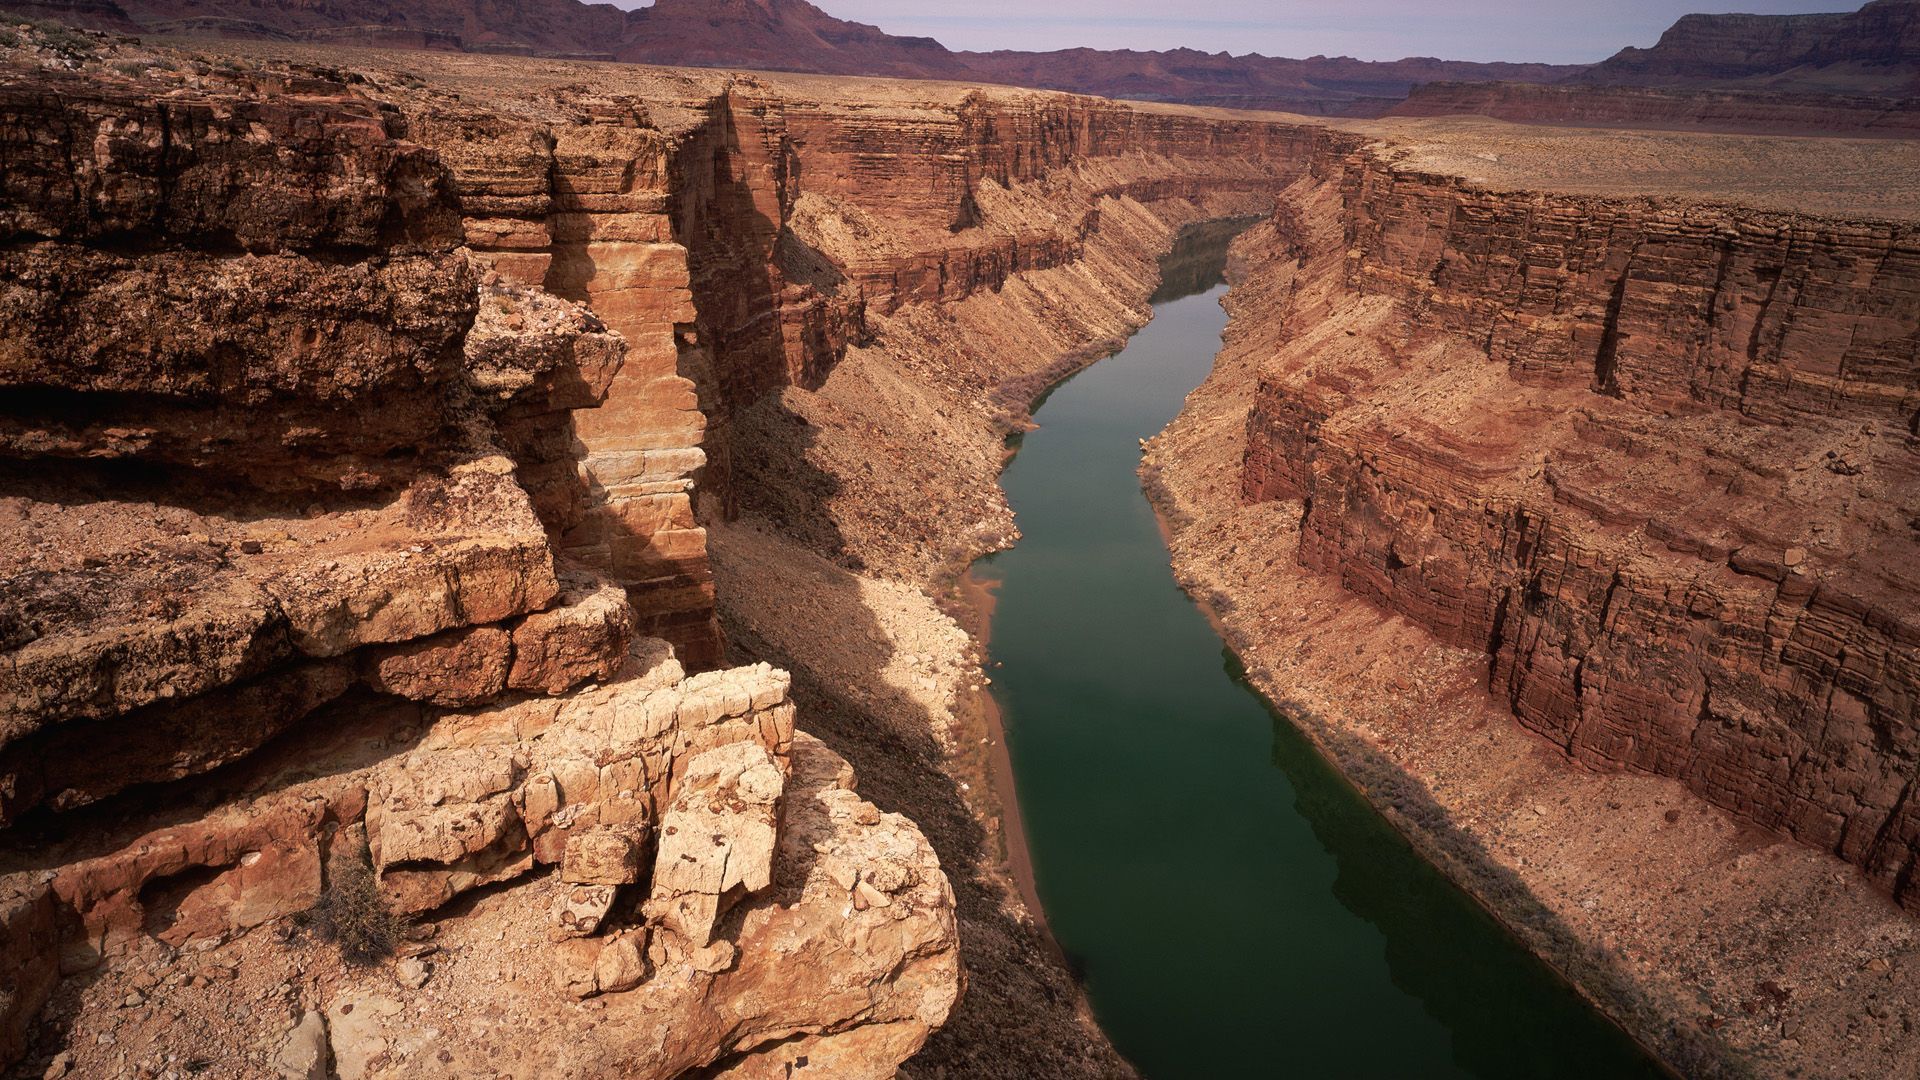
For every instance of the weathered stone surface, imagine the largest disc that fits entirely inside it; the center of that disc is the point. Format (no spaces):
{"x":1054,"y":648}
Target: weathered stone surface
{"x":301,"y":165}
{"x":444,"y":823}
{"x":278,"y":370}
{"x":356,"y":1032}
{"x":29,"y":959}
{"x":460,"y":667}
{"x":81,"y":762}
{"x":622,"y":963}
{"x":716,"y":839}
{"x":583,"y":636}
{"x":603,"y":855}
{"x":236,"y":868}
{"x":305,"y":1054}
{"x":436,"y":820}
{"x":578,"y":910}
{"x":576,"y":780}
{"x":115,"y":610}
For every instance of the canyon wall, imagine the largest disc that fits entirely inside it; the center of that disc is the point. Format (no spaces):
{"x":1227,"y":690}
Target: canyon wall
{"x":1868,"y":51}
{"x":327,"y":677}
{"x":1657,"y":461}
{"x":742,"y":234}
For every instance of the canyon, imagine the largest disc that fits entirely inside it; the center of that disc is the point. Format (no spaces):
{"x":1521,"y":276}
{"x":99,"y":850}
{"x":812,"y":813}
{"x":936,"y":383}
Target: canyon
{"x":503,"y":515}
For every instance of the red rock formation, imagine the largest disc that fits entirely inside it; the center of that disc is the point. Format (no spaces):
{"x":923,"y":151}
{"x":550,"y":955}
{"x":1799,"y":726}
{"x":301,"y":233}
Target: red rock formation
{"x":270,"y":436}
{"x":1657,"y":462}
{"x":302,"y":571}
{"x":698,"y":239}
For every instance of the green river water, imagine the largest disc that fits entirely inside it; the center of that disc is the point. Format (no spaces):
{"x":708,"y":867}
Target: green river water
{"x":1235,"y":907}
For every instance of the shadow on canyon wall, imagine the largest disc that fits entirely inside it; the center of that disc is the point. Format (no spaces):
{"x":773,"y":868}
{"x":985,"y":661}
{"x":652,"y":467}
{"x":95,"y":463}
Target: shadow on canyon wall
{"x":1021,"y":1014}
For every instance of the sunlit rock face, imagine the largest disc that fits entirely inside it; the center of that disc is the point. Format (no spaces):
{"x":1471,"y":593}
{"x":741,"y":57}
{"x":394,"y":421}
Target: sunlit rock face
{"x":339,"y":559}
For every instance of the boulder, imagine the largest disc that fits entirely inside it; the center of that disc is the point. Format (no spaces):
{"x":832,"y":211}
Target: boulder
{"x":717,"y":839}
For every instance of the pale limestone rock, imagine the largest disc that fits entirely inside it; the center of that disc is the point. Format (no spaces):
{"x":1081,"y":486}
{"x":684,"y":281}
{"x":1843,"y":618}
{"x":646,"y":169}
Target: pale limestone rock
{"x":717,"y":836}
{"x":622,"y":963}
{"x":579,"y":910}
{"x":356,"y":1026}
{"x":412,"y":972}
{"x":304,"y":1056}
{"x":450,"y":809}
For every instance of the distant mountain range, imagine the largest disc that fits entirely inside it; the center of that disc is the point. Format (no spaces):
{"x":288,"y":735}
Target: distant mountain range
{"x":1872,"y":52}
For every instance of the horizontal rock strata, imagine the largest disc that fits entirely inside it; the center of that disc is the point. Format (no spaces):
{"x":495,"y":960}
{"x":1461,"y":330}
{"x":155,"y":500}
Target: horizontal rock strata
{"x":1658,"y":463}
{"x":337,"y":563}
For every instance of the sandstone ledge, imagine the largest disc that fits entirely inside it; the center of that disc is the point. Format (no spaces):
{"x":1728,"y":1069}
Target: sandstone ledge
{"x":857,"y":893}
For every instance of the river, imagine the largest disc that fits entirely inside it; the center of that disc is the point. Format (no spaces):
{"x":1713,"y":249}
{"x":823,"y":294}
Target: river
{"x":1235,"y":908}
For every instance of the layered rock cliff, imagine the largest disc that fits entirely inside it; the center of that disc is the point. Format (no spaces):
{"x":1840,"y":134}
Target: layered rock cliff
{"x":1656,"y":462}
{"x":333,"y":614}
{"x":1874,"y":50}
{"x":375,"y":439}
{"x":1668,"y":109}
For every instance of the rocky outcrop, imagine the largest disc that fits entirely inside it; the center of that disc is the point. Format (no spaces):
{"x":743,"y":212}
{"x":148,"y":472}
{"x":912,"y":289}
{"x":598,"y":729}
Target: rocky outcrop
{"x":310,"y":615}
{"x":488,"y":797}
{"x":323,"y":586}
{"x":742,"y":237}
{"x":1655,"y":461}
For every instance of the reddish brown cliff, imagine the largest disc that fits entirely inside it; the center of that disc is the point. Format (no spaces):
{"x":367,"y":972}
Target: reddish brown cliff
{"x":332,"y":595}
{"x":352,"y":449}
{"x":1659,"y":462}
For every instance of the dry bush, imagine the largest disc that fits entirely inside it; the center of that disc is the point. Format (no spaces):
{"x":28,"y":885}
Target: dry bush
{"x":353,"y":915}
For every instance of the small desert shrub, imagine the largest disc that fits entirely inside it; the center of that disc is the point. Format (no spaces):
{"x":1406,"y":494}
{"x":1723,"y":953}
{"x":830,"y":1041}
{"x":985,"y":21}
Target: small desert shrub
{"x":61,"y":39}
{"x":353,"y":915}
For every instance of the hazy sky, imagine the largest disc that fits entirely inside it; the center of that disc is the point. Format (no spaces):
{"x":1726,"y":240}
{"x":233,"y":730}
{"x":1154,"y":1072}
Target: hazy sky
{"x":1561,"y":31}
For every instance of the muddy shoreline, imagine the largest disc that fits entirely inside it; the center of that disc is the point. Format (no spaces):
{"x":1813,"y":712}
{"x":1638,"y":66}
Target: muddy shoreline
{"x":973,"y":610}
